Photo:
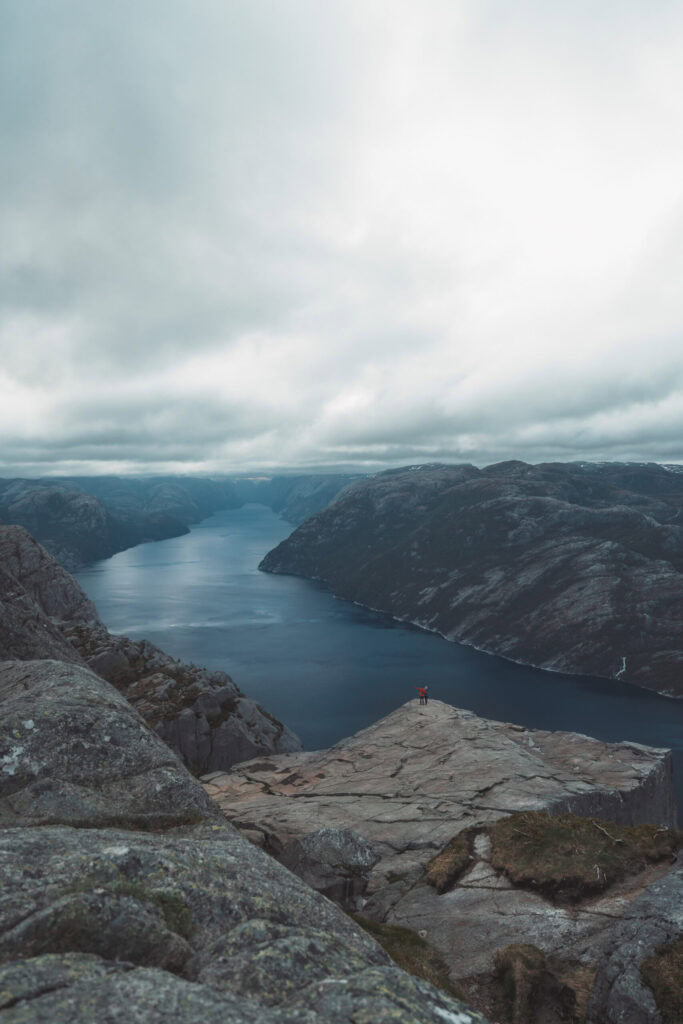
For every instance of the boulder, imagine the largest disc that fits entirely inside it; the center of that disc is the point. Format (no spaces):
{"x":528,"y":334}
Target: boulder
{"x":335,"y":861}
{"x":74,"y":751}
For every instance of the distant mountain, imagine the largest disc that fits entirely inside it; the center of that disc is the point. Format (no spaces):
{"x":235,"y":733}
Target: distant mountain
{"x":572,"y":567}
{"x":294,"y":497}
{"x":82,"y":519}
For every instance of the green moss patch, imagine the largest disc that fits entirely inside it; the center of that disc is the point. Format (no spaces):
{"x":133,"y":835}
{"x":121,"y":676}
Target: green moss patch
{"x":412,"y":953}
{"x":570,"y":858}
{"x":445,"y":869}
{"x":663,"y":972}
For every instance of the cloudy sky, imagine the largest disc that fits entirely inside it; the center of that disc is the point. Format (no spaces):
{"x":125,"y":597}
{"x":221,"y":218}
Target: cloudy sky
{"x":241,"y":234}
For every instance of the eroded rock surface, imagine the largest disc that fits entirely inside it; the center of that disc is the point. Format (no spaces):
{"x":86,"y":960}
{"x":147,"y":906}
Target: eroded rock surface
{"x":334,"y":861}
{"x":413,"y":781}
{"x":33,"y":588}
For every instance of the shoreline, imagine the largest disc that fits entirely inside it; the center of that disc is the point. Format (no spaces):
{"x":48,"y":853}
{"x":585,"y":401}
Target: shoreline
{"x":482,"y":650}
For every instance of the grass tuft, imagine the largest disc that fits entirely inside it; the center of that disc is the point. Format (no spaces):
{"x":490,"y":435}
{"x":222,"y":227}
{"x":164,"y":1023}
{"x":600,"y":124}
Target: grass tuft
{"x":444,"y":870}
{"x":570,"y":858}
{"x":412,"y":953}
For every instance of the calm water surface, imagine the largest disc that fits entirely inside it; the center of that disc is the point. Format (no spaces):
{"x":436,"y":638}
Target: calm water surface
{"x":327,"y":667}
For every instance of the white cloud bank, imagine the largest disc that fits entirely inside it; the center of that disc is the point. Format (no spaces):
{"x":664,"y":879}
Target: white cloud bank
{"x":247,"y":234}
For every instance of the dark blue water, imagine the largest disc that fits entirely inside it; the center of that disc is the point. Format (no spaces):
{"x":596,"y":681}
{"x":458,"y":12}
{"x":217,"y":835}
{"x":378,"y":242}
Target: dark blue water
{"x":327,"y":667}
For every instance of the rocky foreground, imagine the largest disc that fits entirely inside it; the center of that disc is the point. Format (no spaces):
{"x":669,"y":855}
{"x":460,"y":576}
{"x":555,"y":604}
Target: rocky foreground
{"x":570,"y":567}
{"x":366,"y":821}
{"x":127,"y":896}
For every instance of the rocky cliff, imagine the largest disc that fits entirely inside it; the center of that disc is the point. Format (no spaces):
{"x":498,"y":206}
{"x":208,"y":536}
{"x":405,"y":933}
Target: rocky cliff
{"x":126,"y":897}
{"x":201,"y":715}
{"x":575,"y":568}
{"x":427,"y":819}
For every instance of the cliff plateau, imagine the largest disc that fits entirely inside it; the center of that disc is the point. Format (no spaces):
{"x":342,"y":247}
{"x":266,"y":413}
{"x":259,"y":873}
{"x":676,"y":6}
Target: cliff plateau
{"x":373,"y":820}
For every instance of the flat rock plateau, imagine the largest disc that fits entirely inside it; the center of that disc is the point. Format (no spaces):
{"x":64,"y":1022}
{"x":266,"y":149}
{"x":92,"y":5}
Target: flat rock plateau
{"x":570,"y":567}
{"x":364,"y":820}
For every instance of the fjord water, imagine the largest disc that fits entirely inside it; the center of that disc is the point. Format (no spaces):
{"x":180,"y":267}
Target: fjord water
{"x":328,"y":667}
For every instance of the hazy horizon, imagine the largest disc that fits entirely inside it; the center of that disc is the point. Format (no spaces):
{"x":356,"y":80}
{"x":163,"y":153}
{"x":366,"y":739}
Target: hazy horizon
{"x":239,"y":237}
{"x":351,"y":470}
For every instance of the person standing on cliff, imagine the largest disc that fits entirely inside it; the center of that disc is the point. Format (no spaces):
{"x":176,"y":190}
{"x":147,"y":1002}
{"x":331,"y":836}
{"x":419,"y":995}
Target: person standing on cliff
{"x":422,"y":690}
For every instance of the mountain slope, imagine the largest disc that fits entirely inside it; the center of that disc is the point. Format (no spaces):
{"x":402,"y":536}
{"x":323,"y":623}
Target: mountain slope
{"x":575,"y":568}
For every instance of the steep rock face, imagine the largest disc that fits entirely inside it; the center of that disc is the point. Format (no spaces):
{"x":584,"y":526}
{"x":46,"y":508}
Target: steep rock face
{"x":185,"y":922}
{"x":420,"y":777}
{"x":568,"y":567}
{"x":201,"y":715}
{"x":50,"y":586}
{"x":31,"y":582}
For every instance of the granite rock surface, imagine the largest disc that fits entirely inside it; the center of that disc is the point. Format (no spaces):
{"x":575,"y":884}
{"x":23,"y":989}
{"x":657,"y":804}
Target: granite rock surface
{"x":415,"y":780}
{"x":173,"y":916}
{"x":73,"y":751}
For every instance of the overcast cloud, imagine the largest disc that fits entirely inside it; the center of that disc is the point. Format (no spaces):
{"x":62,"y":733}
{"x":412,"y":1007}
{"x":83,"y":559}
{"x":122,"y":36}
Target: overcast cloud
{"x":242,"y":235}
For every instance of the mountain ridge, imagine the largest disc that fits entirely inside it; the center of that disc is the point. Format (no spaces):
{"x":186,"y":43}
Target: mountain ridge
{"x":566,"y":567}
